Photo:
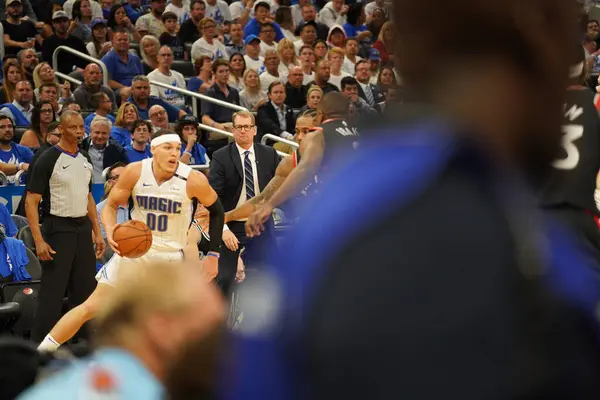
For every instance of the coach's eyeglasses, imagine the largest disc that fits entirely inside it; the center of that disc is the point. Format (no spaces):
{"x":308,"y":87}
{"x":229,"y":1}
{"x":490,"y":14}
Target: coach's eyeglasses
{"x":246,"y":128}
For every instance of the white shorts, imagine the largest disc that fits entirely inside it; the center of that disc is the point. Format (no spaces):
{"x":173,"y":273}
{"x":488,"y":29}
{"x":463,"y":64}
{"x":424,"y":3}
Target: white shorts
{"x":109,"y":272}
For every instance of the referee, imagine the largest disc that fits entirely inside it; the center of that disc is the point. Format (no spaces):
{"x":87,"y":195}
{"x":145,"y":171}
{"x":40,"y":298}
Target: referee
{"x":62,"y":180}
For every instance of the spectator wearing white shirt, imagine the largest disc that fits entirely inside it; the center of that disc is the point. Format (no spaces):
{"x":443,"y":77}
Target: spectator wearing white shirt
{"x":271,"y":73}
{"x":336,"y":59}
{"x":242,"y":11}
{"x":96,"y":9}
{"x":287,"y":56}
{"x":297,"y":11}
{"x":307,"y":60}
{"x":267,"y":38}
{"x":351,"y":56}
{"x":178,"y":8}
{"x":253,"y":59}
{"x":218,"y":10}
{"x":334,"y":12}
{"x":166,"y":75}
{"x":308,"y":36}
{"x":207,"y":45}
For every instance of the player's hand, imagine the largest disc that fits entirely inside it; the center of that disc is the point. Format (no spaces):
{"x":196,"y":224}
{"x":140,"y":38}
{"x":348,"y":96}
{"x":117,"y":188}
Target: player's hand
{"x":230,"y":240}
{"x":109,"y":238}
{"x":44,"y":251}
{"x":256,"y":223}
{"x":211,"y":267}
{"x":100,"y":246}
{"x":240,"y":275}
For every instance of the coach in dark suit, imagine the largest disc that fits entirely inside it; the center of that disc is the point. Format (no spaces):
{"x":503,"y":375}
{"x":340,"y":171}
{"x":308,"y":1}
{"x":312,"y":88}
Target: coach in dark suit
{"x":238,"y":172}
{"x":274,"y":116}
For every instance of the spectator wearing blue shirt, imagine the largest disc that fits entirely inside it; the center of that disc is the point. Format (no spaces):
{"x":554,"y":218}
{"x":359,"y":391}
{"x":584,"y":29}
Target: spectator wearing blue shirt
{"x":13,"y":156}
{"x":121,"y":65}
{"x":262,"y":14}
{"x":136,"y":350}
{"x":192,"y":152}
{"x":139,"y":148}
{"x":355,"y":25}
{"x":103,"y":106}
{"x":133,"y":9}
{"x":7,"y":221}
{"x":121,"y":130}
{"x":140,"y":97}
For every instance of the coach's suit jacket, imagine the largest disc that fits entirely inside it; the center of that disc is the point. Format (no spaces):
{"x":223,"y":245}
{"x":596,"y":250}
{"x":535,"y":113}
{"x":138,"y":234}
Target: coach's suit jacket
{"x":226,"y":174}
{"x":378,"y":95}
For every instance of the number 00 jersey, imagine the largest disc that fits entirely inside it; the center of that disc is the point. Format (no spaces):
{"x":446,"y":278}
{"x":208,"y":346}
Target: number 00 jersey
{"x":166,"y":209}
{"x":573,"y":179}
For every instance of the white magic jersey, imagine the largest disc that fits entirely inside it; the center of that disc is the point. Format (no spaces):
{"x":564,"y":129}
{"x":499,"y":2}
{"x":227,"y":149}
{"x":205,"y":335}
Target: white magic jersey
{"x":166,"y":209}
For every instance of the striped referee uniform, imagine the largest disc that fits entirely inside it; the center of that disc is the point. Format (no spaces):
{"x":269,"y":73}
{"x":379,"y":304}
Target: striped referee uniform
{"x":64,"y":181}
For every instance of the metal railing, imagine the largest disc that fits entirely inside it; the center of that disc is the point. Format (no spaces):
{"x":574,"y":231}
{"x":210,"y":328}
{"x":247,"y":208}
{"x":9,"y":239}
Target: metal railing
{"x":230,"y":135}
{"x":2,"y":42}
{"x":81,"y":55}
{"x":268,"y":136}
{"x":68,"y":78}
{"x":195,"y":95}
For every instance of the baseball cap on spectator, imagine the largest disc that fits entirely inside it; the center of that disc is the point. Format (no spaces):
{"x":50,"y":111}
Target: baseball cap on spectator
{"x":9,"y":2}
{"x":374,"y":55}
{"x":251,"y":38}
{"x":188,"y":120}
{"x":98,"y":21}
{"x":167,"y":15}
{"x":60,"y":14}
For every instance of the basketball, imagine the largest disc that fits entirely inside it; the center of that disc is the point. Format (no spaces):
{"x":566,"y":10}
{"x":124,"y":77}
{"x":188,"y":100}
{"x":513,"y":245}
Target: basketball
{"x":134,"y":238}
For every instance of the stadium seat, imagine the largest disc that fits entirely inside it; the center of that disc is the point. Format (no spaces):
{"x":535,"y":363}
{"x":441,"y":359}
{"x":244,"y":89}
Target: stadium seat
{"x":19,"y":131}
{"x":34,"y":267}
{"x":135,"y":48}
{"x":24,"y":235}
{"x":186,"y":68}
{"x":9,"y":314}
{"x":19,"y":221}
{"x":25,"y":294}
{"x":188,"y":49}
{"x":84,"y":114}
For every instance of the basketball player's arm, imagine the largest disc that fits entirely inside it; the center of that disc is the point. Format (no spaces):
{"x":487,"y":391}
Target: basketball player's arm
{"x":284,"y":168}
{"x":119,"y":196}
{"x":199,"y":188}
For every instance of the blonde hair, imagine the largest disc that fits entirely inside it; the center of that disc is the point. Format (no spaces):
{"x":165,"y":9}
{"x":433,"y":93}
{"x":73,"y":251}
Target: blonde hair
{"x":121,"y":112}
{"x":386,"y":26}
{"x":314,"y":88}
{"x":144,"y":289}
{"x":336,"y":50}
{"x":243,"y":114}
{"x":286,"y":44}
{"x":142,"y":52}
{"x":248,"y":88}
{"x":36,"y":74}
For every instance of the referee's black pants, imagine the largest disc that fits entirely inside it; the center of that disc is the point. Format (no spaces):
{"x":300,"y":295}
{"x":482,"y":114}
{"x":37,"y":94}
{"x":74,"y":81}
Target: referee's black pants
{"x":257,"y":249}
{"x":71,"y":272}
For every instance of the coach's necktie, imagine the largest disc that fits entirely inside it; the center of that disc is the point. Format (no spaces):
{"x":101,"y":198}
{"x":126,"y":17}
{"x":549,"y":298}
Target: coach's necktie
{"x":369,"y":95}
{"x":249,"y":176}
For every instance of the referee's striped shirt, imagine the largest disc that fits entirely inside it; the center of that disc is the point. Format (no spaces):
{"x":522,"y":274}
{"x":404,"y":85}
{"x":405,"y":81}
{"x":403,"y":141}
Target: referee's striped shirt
{"x":64,"y":180}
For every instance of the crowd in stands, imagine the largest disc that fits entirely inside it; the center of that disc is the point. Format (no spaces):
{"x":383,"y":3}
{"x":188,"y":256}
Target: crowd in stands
{"x":273,"y":57}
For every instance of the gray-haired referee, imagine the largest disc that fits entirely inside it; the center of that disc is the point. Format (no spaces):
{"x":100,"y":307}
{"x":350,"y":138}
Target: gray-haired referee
{"x":62,"y":180}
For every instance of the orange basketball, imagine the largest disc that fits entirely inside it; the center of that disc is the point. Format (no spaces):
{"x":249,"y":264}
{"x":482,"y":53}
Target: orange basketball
{"x":134,"y":238}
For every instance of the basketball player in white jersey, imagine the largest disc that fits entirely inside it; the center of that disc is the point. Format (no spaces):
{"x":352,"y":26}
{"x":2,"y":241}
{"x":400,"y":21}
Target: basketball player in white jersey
{"x":163,"y":191}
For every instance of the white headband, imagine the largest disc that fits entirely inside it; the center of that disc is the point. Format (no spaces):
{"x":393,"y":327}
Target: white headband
{"x":576,"y":70}
{"x":170,"y":137}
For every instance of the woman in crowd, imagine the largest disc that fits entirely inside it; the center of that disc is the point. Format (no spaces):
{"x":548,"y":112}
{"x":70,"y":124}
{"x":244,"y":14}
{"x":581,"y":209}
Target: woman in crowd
{"x":192,"y":152}
{"x":252,"y":97}
{"x":121,"y":130}
{"x":118,"y":20}
{"x":386,"y":79}
{"x":377,"y":21}
{"x":385,"y":43}
{"x":320,"y":48}
{"x":355,"y":27}
{"x":237,"y":67}
{"x":81,"y":23}
{"x":100,"y":43}
{"x":41,"y":117}
{"x":43,"y":73}
{"x":12,"y":72}
{"x":313,"y":98}
{"x":149,"y":46}
{"x":203,"y":81}
{"x":283,"y":16}
{"x":287,"y":56}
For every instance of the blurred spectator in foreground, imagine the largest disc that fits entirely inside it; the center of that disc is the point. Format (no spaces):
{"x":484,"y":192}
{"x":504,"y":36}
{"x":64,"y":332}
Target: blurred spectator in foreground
{"x":139,"y":337}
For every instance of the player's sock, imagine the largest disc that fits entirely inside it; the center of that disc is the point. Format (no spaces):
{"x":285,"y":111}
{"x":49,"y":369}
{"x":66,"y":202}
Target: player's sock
{"x":48,"y":344}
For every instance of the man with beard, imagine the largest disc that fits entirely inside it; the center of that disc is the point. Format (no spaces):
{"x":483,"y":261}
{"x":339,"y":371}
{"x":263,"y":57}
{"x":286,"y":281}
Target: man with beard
{"x":18,"y":34}
{"x":423,"y":269}
{"x":92,"y":75}
{"x":143,"y":329}
{"x":61,"y":37}
{"x":28,"y":59}
{"x":13,"y":156}
{"x":189,"y":31}
{"x":151,"y":23}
